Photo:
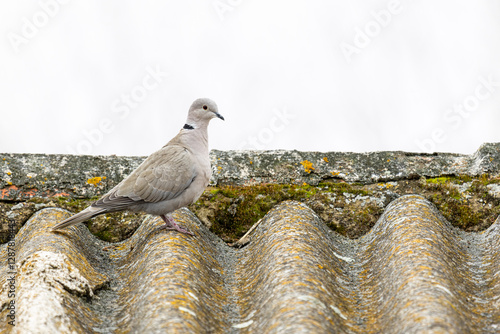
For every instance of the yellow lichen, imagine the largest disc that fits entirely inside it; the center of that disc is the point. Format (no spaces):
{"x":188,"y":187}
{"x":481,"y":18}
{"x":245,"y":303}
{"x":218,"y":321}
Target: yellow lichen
{"x":308,"y":166}
{"x":95,"y":180}
{"x":325,"y":159}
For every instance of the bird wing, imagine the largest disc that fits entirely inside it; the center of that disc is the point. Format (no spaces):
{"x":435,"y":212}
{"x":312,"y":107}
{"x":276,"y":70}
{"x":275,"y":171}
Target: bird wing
{"x":164,"y":175}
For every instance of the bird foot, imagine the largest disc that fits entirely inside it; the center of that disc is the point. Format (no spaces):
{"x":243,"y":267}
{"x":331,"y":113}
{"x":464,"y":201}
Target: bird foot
{"x":170,"y":224}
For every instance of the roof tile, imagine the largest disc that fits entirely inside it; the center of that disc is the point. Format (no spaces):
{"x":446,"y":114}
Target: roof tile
{"x":412,"y":272}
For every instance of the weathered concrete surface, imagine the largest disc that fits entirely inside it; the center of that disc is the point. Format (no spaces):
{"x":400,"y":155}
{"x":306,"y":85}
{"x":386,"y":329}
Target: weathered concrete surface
{"x":250,"y":167}
{"x":413,"y":272}
{"x":24,"y":176}
{"x":339,"y":187}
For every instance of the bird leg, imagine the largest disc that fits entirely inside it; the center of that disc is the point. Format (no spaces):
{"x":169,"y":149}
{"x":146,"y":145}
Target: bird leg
{"x":170,"y":224}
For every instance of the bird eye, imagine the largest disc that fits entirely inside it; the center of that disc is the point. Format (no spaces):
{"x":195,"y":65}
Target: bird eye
{"x":205,"y":107}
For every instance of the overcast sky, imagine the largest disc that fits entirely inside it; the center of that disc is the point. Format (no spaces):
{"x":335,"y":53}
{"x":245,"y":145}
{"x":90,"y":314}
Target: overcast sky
{"x":117,"y":77}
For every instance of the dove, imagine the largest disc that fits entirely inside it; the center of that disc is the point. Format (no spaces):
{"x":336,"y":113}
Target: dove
{"x":171,"y":178}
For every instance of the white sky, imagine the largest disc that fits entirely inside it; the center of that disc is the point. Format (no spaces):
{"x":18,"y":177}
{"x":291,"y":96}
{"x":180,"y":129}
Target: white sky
{"x":306,"y":75}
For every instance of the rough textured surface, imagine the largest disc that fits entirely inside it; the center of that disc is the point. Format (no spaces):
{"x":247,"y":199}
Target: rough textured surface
{"x":413,"y":272}
{"x":410,"y":270}
{"x":250,"y":167}
{"x":339,"y":187}
{"x":469,"y":203}
{"x":24,"y":176}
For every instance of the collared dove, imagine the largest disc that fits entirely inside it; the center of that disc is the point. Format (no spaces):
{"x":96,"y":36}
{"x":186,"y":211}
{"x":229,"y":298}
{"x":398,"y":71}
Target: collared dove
{"x":169,"y":179}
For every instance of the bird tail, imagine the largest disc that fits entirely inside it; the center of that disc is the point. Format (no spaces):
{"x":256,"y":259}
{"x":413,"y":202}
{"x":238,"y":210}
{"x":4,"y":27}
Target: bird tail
{"x":79,"y":217}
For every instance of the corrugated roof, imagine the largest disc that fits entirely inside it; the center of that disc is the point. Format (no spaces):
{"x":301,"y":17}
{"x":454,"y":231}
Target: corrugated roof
{"x":413,"y":272}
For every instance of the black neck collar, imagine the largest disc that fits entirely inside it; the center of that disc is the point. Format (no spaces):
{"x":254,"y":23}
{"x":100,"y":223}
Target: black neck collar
{"x":188,"y":127}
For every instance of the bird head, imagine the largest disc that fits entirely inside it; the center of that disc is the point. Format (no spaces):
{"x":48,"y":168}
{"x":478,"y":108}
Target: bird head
{"x":202,"y":111}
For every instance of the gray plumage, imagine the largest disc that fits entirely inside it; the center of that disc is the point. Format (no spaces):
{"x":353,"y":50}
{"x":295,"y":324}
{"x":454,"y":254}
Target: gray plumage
{"x":171,"y":178}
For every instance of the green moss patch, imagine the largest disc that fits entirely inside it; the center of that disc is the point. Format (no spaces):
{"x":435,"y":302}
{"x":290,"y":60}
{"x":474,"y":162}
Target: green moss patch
{"x":349,"y":209}
{"x":237,"y":208}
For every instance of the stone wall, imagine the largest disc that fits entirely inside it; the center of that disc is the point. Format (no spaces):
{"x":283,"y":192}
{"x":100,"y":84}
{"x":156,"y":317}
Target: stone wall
{"x":23,"y":176}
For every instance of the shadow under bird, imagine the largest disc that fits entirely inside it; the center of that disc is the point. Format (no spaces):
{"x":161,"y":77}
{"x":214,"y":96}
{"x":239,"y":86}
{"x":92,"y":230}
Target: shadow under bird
{"x":169,"y":179}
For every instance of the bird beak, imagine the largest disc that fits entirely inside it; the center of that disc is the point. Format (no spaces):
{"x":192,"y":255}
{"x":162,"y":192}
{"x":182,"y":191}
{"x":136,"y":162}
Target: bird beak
{"x":219,"y":115}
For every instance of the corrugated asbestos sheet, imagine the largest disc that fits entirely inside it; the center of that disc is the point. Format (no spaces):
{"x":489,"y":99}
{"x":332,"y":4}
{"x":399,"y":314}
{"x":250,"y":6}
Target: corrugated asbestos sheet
{"x":412,"y":273}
